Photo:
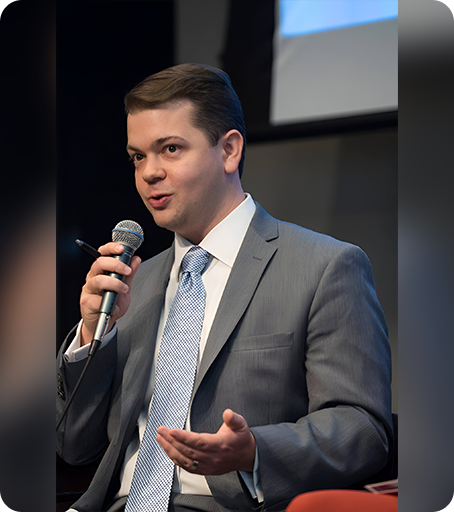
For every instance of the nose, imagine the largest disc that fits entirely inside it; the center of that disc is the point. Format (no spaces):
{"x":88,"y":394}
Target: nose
{"x":152,"y":170}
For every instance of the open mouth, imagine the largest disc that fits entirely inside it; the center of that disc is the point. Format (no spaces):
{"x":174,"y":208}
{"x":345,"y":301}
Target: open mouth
{"x":159,"y":200}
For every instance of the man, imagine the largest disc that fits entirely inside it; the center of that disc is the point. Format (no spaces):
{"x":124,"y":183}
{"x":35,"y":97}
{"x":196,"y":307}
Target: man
{"x":292,"y":387}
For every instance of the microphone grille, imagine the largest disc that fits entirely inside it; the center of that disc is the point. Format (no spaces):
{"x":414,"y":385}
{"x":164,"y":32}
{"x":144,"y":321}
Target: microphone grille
{"x":128,"y":232}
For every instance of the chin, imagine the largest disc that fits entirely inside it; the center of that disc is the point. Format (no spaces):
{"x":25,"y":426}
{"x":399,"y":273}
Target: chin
{"x":164,"y":223}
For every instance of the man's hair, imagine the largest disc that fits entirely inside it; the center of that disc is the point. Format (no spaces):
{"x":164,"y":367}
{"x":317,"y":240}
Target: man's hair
{"x":217,"y":108}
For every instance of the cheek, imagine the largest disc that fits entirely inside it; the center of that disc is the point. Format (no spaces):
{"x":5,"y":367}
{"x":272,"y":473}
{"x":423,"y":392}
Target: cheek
{"x":139,"y":183}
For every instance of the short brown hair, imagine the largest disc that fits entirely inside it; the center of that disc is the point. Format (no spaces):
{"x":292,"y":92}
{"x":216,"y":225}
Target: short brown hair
{"x":217,"y":108}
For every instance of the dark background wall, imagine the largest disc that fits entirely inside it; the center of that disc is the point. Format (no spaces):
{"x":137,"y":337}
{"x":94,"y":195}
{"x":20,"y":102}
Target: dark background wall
{"x":337,"y":177}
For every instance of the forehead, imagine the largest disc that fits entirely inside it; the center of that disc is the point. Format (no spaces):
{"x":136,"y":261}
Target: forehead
{"x":170,"y":119}
{"x":174,"y":116}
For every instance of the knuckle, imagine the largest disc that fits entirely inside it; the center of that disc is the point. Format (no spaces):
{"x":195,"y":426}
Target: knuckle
{"x":122,"y":268}
{"x":107,"y":248}
{"x":200,"y":444}
{"x":96,"y":284}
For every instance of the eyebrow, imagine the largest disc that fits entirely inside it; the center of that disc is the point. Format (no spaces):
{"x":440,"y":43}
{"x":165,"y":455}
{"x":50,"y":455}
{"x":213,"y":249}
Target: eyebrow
{"x":158,"y":142}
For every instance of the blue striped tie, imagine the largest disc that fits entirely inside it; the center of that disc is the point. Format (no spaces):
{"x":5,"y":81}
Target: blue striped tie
{"x":175,"y":374}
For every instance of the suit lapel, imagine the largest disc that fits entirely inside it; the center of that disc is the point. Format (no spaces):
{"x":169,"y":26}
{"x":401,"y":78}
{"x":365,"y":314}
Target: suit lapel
{"x":252,"y":260}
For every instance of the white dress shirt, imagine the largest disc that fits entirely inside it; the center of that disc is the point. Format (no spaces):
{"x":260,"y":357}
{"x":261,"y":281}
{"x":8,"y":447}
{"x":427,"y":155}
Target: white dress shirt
{"x":223,"y":243}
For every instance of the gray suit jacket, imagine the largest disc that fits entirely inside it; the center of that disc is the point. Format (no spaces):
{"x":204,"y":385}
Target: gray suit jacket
{"x":298,"y":347}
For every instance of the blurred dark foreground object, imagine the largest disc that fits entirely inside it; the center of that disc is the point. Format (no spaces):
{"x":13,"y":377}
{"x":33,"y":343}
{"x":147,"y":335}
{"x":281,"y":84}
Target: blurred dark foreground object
{"x":27,"y":302}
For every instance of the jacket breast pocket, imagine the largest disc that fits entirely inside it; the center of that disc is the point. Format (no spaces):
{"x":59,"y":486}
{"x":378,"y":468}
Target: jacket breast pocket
{"x":262,"y":342}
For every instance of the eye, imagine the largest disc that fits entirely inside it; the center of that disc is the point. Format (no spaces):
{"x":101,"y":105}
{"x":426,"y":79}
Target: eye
{"x":135,"y":158}
{"x":172,"y":148}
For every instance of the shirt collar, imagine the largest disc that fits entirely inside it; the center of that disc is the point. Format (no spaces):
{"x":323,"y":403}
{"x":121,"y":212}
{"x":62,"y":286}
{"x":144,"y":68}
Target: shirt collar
{"x":223,"y":242}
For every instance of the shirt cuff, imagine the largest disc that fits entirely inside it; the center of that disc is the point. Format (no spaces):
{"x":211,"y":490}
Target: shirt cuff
{"x":252,"y":480}
{"x":76,"y":353}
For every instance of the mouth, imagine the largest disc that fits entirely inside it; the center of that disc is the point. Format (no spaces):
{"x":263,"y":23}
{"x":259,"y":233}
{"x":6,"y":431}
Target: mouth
{"x":159,"y":201}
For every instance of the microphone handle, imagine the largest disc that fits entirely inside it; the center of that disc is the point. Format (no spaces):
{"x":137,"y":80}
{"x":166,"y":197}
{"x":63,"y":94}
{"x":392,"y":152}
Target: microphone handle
{"x":109,"y":299}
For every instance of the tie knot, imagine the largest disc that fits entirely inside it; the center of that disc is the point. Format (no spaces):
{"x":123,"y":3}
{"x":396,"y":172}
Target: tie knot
{"x":194,"y":260}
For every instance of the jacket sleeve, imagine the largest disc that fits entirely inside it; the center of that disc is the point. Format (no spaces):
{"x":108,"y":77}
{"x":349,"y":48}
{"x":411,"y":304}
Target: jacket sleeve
{"x":346,"y":436}
{"x":82,"y":436}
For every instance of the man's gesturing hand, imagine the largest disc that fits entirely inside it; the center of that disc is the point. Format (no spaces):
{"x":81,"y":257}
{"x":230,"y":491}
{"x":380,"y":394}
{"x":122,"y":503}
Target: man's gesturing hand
{"x":97,"y":282}
{"x":232,"y":448}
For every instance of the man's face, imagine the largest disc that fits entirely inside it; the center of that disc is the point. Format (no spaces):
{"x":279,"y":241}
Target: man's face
{"x":179,"y":175}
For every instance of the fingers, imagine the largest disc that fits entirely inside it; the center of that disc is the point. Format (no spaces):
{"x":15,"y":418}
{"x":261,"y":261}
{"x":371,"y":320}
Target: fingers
{"x":191,"y":444}
{"x":231,"y":448}
{"x":111,"y":249}
{"x":99,"y":281}
{"x":106,"y":264}
{"x":181,"y":454}
{"x":96,"y":284}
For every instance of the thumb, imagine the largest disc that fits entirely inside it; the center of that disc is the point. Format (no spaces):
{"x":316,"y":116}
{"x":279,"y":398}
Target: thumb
{"x":233,"y":420}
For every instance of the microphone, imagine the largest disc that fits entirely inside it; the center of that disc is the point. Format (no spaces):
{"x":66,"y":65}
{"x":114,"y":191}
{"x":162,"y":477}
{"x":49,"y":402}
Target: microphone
{"x":130,"y":235}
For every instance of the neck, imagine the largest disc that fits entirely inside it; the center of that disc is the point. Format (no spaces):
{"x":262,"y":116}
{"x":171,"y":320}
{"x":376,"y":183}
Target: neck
{"x":228,"y":205}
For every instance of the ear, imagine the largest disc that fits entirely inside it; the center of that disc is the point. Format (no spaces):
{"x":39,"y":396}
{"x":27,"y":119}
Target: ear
{"x":232,"y":147}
